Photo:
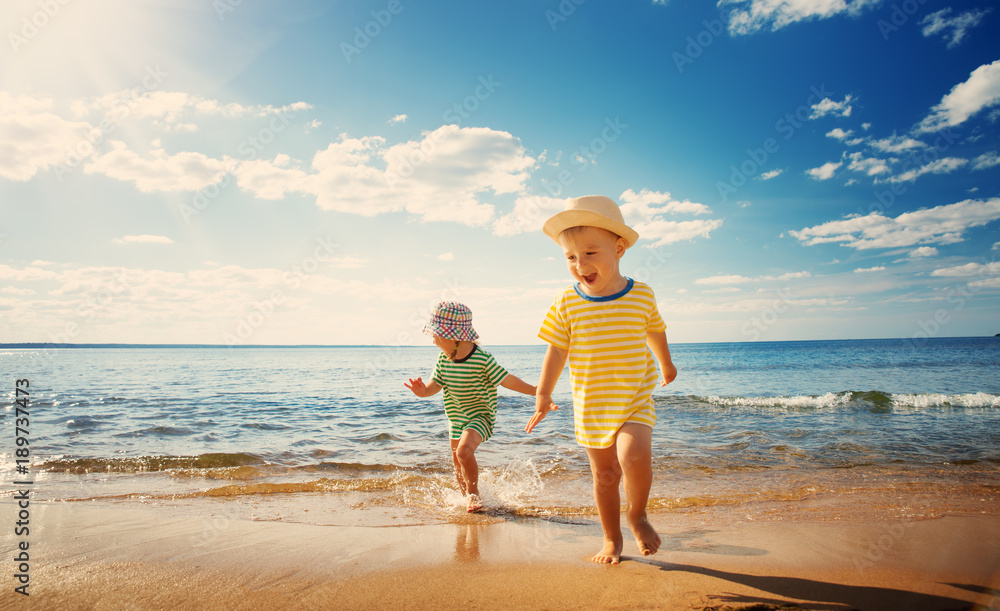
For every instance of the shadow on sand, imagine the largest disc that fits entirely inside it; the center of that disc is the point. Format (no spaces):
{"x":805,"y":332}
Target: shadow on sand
{"x":821,"y":594}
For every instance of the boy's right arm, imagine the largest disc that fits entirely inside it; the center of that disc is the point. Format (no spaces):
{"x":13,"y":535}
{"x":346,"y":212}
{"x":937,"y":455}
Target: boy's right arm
{"x":552,"y":366}
{"x":422,"y":390}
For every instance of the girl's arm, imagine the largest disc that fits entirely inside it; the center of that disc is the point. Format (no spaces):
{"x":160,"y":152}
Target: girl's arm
{"x":512,"y":382}
{"x":552,"y":366}
{"x":657,"y":341}
{"x":422,"y":390}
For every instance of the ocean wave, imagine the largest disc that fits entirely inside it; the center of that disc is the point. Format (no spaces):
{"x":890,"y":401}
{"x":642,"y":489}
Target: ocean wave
{"x":979,"y":399}
{"x":872,"y":400}
{"x":801,"y":401}
{"x":145,"y":464}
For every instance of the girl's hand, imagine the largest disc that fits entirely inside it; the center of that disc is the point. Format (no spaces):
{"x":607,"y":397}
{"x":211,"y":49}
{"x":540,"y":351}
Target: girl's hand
{"x":543,"y":405}
{"x":669,"y":373}
{"x":417,"y":386}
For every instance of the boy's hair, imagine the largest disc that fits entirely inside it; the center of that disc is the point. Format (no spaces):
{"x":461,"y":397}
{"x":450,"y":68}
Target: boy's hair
{"x":573,"y":232}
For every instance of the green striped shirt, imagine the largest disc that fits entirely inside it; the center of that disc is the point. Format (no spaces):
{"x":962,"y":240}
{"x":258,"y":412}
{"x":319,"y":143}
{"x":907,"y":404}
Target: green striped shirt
{"x":470,"y":387}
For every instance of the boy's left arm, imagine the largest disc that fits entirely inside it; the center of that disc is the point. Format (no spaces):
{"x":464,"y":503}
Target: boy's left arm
{"x":657,"y":341}
{"x":516,"y":384}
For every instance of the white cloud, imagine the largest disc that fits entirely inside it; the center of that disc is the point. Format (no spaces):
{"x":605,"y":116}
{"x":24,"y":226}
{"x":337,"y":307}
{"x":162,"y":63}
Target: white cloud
{"x":986,"y":160}
{"x":897,"y":144}
{"x":529,"y":214}
{"x":825,"y":171}
{"x":647,"y":204}
{"x":753,"y":15}
{"x":869,"y":165}
{"x":169,"y":108}
{"x":877,"y":268}
{"x":981,"y":90}
{"x":143,"y":239}
{"x":667,"y":232}
{"x":938,"y":166}
{"x":398,"y":119}
{"x":33,"y":139}
{"x":923,"y":251}
{"x":839,"y":134}
{"x":826,"y":106}
{"x":185,"y":171}
{"x":731,"y":279}
{"x":738,"y":279}
{"x":10,"y":290}
{"x":939,"y":225}
{"x":439,"y":177}
{"x":770,"y":175}
{"x":940,"y":23}
{"x":969,"y":269}
{"x":446,"y":256}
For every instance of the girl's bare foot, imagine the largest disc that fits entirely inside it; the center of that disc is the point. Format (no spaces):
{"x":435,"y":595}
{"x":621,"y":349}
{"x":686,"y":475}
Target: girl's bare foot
{"x":474,"y":504}
{"x":611,"y":553}
{"x":645,"y":536}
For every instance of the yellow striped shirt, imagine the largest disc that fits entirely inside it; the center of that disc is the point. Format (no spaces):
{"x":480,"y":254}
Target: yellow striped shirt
{"x":612,"y":371}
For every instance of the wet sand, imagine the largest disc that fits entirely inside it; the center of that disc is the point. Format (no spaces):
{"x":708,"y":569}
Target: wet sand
{"x":135,"y":556}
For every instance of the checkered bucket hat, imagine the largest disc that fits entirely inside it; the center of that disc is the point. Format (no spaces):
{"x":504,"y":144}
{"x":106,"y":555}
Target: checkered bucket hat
{"x":452,"y":320}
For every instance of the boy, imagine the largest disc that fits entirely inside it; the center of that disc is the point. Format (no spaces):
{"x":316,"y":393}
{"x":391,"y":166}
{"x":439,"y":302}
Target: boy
{"x":608,"y":328}
{"x":469,"y":376}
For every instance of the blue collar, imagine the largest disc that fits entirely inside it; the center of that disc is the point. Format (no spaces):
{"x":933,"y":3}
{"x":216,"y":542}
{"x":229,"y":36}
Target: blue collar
{"x":621,"y":293}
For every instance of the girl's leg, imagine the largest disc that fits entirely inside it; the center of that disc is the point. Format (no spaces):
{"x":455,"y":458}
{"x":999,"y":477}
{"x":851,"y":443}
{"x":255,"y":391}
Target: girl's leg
{"x":607,"y":474}
{"x":634,"y":444}
{"x":465,"y":455}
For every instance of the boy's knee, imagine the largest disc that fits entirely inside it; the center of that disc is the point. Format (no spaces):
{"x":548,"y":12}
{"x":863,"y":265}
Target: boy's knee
{"x":465,"y":452}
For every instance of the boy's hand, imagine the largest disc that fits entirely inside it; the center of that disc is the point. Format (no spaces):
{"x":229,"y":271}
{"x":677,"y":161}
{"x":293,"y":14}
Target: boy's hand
{"x":543,"y":405}
{"x":417,"y":386}
{"x":669,"y":373}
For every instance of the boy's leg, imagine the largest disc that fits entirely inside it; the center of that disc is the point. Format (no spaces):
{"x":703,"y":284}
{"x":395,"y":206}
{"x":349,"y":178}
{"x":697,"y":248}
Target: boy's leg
{"x":465,"y":454}
{"x":462,"y":486}
{"x":607,"y":474}
{"x":634,"y":442}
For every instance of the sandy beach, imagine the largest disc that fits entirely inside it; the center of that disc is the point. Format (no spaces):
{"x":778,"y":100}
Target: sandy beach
{"x":135,"y":556}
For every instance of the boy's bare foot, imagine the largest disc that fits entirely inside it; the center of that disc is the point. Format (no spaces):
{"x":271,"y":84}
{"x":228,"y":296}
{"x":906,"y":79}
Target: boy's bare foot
{"x":645,"y":536}
{"x":474,"y":504}
{"x":611,"y":553}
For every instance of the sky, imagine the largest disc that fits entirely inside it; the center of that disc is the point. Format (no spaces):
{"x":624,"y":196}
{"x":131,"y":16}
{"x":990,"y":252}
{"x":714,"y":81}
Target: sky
{"x":303,"y":172}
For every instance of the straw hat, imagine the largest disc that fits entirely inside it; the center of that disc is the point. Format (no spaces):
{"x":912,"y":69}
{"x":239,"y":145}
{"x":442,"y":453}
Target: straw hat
{"x":591,"y":211}
{"x":452,"y":320}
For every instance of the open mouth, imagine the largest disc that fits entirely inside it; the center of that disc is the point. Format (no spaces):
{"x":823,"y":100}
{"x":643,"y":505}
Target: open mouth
{"x":590,"y":278}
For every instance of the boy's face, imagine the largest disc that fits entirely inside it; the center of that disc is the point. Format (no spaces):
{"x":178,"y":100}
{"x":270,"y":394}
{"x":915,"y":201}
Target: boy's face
{"x":446,"y":345}
{"x":592,"y":256}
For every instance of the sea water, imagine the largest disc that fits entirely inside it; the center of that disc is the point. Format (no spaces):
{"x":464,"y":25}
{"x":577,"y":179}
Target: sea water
{"x":330,"y":435}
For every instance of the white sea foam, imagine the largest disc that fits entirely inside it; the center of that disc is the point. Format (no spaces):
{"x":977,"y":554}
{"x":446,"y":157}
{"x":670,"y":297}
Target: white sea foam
{"x":979,"y":399}
{"x":830,"y":399}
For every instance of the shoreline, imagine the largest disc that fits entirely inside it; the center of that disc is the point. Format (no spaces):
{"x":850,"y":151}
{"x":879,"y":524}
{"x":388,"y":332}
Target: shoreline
{"x":115,"y":555}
